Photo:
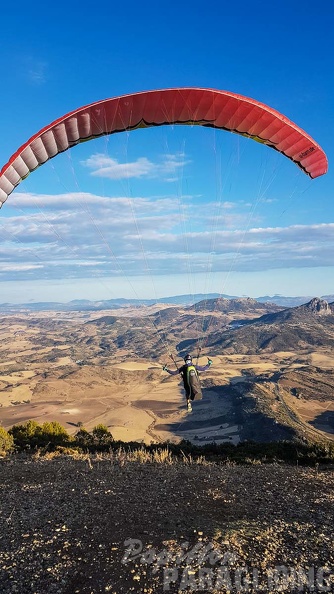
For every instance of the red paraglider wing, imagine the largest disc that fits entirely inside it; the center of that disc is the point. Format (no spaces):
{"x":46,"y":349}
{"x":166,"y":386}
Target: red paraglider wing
{"x":206,"y":107}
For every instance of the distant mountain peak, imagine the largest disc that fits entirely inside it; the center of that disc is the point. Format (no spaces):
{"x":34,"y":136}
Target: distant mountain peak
{"x":318,"y":306}
{"x":237,"y":304}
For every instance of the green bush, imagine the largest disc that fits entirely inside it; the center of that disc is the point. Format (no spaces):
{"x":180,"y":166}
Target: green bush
{"x":54,"y":433}
{"x":102,"y":436}
{"x":26,"y":435}
{"x":6,"y":441}
{"x":98,"y":440}
{"x":83,"y":439}
{"x":32,"y":435}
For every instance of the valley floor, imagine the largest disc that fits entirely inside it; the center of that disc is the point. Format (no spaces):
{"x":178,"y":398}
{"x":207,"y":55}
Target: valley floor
{"x":138,"y":401}
{"x":113,"y":525}
{"x":70,"y":367}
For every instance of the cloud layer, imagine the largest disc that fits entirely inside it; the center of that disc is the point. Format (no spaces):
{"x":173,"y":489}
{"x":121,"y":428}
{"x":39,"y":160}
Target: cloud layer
{"x":81,"y":235}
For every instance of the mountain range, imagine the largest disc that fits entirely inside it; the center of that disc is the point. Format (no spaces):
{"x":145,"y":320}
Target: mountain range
{"x":240,"y":325}
{"x":185,"y":300}
{"x":304,"y":326}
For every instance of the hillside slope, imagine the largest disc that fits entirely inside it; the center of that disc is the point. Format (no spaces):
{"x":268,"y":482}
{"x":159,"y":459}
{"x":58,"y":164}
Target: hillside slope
{"x":309,"y":325}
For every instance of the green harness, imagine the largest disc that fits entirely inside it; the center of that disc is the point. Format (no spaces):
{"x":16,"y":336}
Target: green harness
{"x":193,"y":382}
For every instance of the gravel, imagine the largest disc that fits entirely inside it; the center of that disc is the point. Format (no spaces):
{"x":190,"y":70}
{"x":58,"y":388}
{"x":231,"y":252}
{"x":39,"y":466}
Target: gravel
{"x":105,"y":525}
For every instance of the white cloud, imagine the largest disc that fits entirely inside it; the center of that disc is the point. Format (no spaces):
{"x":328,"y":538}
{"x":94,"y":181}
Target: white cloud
{"x":21,"y":201}
{"x":19,"y":267}
{"x":65,"y":236}
{"x":107,"y":167}
{"x":111,"y":169}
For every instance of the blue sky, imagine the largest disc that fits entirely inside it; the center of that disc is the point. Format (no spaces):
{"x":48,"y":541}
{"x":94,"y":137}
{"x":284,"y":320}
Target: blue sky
{"x":169,"y":210}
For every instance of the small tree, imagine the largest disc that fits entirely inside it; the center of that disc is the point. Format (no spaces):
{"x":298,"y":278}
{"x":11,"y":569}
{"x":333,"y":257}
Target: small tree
{"x":6,"y":441}
{"x":102,"y":436}
{"x":54,"y":433}
{"x":26,"y":435}
{"x":99,"y":438}
{"x":83,"y":439}
{"x":31,"y":434}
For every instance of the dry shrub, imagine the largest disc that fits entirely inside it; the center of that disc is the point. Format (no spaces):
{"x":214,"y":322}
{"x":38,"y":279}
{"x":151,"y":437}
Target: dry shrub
{"x":141,"y":455}
{"x":163,"y":456}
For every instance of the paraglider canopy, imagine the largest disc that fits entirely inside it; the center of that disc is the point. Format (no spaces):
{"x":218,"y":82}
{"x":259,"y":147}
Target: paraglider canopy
{"x":205,"y":107}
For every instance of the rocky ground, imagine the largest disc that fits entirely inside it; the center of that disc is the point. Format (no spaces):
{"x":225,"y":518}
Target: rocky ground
{"x":121,"y":525}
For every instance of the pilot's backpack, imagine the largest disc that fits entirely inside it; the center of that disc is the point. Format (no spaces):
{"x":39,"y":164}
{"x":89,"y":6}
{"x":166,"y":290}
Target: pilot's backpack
{"x":194,"y":383}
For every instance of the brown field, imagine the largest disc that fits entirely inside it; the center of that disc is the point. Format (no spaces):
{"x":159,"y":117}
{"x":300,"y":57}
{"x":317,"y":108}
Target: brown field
{"x":53,"y":369}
